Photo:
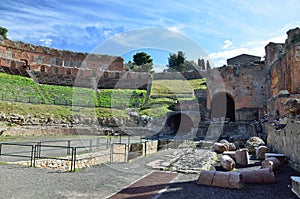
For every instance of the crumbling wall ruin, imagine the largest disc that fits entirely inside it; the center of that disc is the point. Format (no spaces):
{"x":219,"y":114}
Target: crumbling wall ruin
{"x":61,"y":67}
{"x":244,"y":85}
{"x":283,"y":62}
{"x":286,"y":140}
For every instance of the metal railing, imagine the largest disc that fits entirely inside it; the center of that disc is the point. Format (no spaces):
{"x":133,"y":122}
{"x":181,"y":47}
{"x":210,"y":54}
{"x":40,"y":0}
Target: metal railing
{"x":68,"y":150}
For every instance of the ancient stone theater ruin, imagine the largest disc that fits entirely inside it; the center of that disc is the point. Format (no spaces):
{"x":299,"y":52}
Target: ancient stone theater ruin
{"x":249,"y":95}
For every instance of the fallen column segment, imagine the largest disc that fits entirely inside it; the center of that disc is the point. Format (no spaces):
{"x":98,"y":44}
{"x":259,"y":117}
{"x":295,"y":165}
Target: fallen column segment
{"x":271,"y":163}
{"x":231,"y":180}
{"x":258,"y":176}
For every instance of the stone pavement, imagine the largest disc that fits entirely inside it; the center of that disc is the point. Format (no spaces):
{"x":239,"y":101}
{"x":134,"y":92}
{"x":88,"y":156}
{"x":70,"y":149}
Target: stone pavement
{"x":185,"y":161}
{"x":99,"y":181}
{"x":105,"y":180}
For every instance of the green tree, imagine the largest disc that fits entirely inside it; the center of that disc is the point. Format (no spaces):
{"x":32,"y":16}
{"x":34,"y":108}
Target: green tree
{"x":179,"y":63}
{"x":3,"y":32}
{"x":142,"y":62}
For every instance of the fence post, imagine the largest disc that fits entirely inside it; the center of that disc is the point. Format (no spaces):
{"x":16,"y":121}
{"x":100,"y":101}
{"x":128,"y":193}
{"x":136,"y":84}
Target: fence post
{"x":69,"y":145}
{"x":126,"y":152}
{"x":98,"y":142}
{"x":39,"y":149}
{"x":91,"y":145}
{"x":145,"y":143}
{"x":74,"y":159}
{"x":32,"y":158}
{"x":0,"y":150}
{"x":111,"y":152}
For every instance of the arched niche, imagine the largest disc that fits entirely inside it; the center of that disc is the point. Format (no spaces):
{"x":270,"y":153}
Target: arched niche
{"x":179,"y":123}
{"x":223,"y":106}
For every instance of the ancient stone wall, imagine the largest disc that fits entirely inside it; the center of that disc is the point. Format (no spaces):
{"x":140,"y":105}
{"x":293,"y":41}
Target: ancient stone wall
{"x":245,"y":84}
{"x":275,"y":107}
{"x":58,"y":67}
{"x":283,"y":60}
{"x":33,"y":54}
{"x":286,"y":141}
{"x":178,"y":75}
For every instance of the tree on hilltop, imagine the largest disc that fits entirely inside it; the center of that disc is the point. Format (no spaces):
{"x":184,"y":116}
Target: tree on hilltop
{"x":3,"y":32}
{"x":179,"y":63}
{"x":142,"y":62}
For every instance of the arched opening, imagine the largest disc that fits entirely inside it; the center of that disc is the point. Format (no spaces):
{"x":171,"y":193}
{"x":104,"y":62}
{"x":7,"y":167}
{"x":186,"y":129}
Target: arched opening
{"x":179,"y":123}
{"x":223,"y":106}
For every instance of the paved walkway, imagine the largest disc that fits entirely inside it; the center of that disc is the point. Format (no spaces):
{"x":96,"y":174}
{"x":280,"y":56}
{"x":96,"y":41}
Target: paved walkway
{"x":100,"y":181}
{"x":147,"y":187}
{"x":103,"y":181}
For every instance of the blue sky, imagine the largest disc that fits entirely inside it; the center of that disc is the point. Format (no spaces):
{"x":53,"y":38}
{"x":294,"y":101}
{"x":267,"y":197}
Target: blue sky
{"x":201,"y":28}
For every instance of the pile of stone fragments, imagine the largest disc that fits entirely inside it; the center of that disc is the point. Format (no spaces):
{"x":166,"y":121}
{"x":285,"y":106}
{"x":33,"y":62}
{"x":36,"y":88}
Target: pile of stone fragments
{"x":231,"y":158}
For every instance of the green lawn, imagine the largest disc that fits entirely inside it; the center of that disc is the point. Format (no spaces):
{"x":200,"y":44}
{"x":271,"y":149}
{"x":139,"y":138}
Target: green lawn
{"x":104,"y":102}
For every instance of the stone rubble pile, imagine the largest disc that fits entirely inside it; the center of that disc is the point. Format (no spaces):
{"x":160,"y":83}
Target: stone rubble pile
{"x":229,"y":160}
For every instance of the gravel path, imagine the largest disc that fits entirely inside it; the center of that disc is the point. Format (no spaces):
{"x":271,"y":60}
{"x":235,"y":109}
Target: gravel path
{"x":96,"y":182}
{"x":104,"y":180}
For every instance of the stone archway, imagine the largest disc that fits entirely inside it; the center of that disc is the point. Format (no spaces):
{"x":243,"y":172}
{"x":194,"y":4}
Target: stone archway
{"x":179,"y":123}
{"x":223,"y":105}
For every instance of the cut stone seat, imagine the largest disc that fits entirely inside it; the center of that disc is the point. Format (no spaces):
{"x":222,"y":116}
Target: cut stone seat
{"x":281,"y":157}
{"x":296,"y":185}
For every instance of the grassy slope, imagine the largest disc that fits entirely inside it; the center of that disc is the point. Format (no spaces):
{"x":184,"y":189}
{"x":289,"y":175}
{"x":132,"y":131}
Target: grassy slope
{"x":163,"y":94}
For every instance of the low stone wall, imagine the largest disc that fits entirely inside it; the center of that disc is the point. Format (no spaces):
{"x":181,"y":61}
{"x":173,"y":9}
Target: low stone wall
{"x":117,"y":153}
{"x":120,"y":153}
{"x":83,"y":160}
{"x":151,"y":147}
{"x":286,"y":141}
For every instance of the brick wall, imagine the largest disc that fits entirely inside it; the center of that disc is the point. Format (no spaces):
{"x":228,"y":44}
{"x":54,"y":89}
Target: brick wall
{"x":49,"y":56}
{"x":245,"y":84}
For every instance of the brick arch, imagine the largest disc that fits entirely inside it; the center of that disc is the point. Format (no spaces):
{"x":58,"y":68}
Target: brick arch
{"x":179,"y":123}
{"x":223,"y":105}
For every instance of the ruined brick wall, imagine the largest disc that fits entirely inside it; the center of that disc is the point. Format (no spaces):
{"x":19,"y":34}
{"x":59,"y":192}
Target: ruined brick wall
{"x":82,"y":77}
{"x":246,"y":84}
{"x":178,"y":75}
{"x":275,"y":106}
{"x":48,"y":56}
{"x":58,"y":67}
{"x":283,"y":60}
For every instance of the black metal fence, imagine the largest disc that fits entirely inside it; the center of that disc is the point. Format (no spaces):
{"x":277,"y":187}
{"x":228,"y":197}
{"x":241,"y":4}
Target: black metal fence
{"x":68,"y":150}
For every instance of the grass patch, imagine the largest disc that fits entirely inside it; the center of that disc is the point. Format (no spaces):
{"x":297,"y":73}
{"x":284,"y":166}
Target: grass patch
{"x":84,"y":101}
{"x":122,"y":98}
{"x":67,"y":95}
{"x":16,"y":88}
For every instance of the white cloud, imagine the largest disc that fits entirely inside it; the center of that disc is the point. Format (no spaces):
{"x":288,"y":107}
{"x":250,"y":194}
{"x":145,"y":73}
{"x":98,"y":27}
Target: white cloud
{"x":227,"y":44}
{"x":252,"y":47}
{"x":46,"y":42}
{"x":176,"y":28}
